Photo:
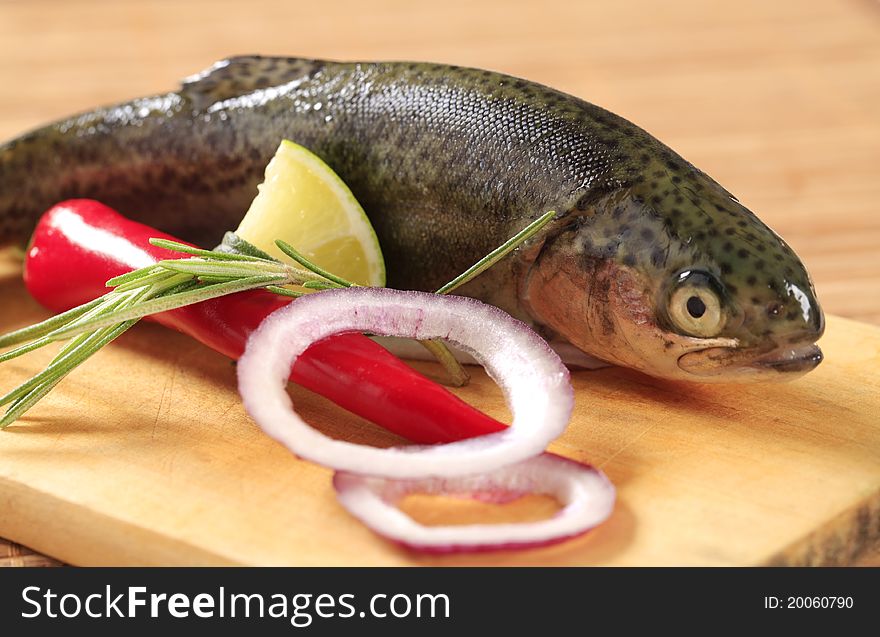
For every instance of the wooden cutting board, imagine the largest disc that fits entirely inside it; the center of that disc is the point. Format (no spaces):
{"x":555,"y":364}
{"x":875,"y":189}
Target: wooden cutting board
{"x":145,"y":456}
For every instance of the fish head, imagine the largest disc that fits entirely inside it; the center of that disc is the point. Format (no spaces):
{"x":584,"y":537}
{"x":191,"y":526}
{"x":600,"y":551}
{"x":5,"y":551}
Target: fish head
{"x":679,"y":280}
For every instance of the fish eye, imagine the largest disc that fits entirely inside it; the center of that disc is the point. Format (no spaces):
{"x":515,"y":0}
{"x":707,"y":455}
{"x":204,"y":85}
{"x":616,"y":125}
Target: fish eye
{"x":695,"y":306}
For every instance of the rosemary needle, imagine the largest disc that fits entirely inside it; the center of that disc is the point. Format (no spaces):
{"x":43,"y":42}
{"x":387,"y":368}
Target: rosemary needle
{"x":457,"y":373}
{"x":44,"y":327}
{"x":498,"y":253}
{"x":294,"y":254}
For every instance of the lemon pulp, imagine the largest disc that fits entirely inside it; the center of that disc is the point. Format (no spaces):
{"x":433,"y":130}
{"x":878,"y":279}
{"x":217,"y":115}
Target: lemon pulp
{"x":303,"y":202}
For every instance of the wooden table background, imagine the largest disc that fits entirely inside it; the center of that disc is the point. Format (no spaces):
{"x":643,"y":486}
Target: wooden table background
{"x":779,"y":101}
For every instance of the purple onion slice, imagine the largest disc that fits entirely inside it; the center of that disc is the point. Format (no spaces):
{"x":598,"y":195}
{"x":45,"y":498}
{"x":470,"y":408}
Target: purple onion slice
{"x":534,"y":380}
{"x":586,"y":495}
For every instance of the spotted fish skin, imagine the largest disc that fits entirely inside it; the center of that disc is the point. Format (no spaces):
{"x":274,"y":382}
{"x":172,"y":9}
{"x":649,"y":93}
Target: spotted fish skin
{"x":448,"y":162}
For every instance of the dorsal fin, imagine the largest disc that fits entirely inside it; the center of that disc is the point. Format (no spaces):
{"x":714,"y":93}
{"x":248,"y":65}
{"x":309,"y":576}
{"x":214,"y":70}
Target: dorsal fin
{"x":241,"y":75}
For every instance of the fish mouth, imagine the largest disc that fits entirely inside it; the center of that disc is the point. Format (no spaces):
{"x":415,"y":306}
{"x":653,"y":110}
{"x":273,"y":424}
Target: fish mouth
{"x":720,"y":364}
{"x":786,"y":360}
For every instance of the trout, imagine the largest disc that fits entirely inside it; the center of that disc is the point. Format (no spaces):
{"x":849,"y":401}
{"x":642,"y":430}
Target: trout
{"x":649,"y":263}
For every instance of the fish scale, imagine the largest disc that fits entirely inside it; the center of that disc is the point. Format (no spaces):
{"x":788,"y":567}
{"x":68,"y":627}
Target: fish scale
{"x":448,"y":162}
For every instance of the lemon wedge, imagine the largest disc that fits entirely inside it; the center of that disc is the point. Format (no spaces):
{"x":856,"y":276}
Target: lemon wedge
{"x":305,"y":203}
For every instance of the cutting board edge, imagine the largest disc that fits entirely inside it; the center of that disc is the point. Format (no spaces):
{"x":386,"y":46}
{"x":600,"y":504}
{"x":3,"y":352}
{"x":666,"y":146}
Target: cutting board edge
{"x":842,"y":541}
{"x":73,"y":526}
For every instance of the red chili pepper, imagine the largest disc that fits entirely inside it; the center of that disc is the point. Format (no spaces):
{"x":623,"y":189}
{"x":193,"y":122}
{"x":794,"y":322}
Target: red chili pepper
{"x":79,"y":244}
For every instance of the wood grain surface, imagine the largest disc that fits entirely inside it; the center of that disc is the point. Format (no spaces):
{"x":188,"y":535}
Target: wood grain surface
{"x":778,"y":101}
{"x":170,"y":469}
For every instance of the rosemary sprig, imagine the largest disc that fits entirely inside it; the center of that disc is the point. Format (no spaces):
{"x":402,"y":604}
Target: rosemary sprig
{"x":163,"y":286}
{"x":205,"y":274}
{"x":167,"y":302}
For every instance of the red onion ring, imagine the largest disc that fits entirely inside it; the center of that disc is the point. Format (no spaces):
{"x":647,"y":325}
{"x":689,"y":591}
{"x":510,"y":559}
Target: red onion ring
{"x":585,"y":493}
{"x":534,"y":381}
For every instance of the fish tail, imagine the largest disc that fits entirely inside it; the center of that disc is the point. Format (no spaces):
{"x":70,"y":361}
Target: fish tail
{"x":20,"y":160}
{"x":81,"y":156}
{"x":153,"y":169}
{"x":164,"y":159}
